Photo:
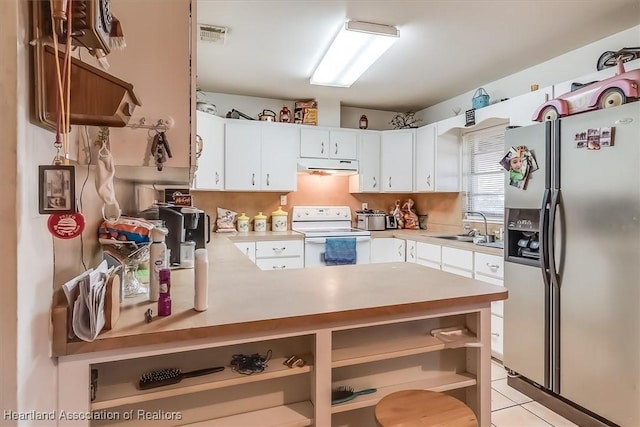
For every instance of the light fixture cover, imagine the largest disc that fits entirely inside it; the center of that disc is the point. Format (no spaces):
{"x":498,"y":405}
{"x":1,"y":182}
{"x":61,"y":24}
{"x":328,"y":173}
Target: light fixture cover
{"x":356,"y":47}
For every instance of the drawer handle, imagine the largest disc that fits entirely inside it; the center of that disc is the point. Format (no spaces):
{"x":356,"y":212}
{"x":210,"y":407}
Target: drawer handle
{"x":279,"y":249}
{"x":493,"y":266}
{"x":282,"y":267}
{"x":495,"y":334}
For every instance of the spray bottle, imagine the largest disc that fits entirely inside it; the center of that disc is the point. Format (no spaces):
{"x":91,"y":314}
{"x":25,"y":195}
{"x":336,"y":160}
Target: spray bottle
{"x":157,"y":261}
{"x":164,"y":302}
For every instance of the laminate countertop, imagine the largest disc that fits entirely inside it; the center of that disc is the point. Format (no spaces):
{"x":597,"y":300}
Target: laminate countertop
{"x":244,"y":299}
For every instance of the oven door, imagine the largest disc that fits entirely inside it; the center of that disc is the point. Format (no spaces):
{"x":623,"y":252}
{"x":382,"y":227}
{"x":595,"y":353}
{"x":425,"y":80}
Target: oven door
{"x":314,"y":250}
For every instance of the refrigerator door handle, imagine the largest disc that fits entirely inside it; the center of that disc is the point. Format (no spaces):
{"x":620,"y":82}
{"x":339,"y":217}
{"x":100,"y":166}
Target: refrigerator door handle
{"x":555,"y":296}
{"x":544,"y":265}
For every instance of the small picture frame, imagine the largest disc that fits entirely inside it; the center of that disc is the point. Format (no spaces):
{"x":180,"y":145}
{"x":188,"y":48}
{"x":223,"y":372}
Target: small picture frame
{"x":56,"y":189}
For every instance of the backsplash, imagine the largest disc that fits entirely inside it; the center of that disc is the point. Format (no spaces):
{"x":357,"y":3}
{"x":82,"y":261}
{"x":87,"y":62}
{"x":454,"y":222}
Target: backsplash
{"x":443,"y":208}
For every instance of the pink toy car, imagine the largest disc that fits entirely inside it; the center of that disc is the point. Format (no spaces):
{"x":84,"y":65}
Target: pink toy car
{"x":606,"y":93}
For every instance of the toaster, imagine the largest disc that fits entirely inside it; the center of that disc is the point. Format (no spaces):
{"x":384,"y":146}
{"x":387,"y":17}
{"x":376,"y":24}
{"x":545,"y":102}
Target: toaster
{"x":371,"y":221}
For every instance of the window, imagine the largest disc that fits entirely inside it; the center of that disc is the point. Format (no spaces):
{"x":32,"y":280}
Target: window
{"x":483,"y":176}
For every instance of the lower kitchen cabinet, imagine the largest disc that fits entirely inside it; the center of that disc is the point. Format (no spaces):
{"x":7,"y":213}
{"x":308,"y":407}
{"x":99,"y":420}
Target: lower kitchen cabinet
{"x":429,"y":255}
{"x":247,"y":248}
{"x":280,"y":254}
{"x":457,"y":261}
{"x":490,"y":269}
{"x":497,"y":336}
{"x":387,"y":249}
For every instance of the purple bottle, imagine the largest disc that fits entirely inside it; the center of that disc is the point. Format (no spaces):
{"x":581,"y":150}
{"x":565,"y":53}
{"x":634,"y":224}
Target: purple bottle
{"x":164,"y":302}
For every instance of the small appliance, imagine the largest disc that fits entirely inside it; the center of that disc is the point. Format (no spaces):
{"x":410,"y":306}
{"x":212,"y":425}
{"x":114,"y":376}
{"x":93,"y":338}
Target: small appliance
{"x":391,"y":222}
{"x":371,"y":220}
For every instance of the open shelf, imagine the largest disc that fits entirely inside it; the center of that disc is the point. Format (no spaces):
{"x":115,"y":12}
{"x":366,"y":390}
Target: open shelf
{"x":112,"y":395}
{"x":298,"y":414}
{"x":444,"y":382}
{"x":398,"y":347}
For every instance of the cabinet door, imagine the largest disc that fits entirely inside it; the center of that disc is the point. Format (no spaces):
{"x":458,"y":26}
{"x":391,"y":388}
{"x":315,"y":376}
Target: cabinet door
{"x":210,"y":172}
{"x":368,"y":178}
{"x":387,"y":249}
{"x":448,"y":157}
{"x":242,"y":156}
{"x":497,"y":337}
{"x":397,"y":161}
{"x":247,"y":248}
{"x":280,"y":144}
{"x":314,"y":142}
{"x":457,"y":261}
{"x":344,"y":144}
{"x":425,"y":158}
{"x":411,"y":251}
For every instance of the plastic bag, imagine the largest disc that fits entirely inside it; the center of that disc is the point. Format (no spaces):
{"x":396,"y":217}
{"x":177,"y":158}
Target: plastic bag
{"x":409,"y":216}
{"x":126,"y":229}
{"x":226,"y":220}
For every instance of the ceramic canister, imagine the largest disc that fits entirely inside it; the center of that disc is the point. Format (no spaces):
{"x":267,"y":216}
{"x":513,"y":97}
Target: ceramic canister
{"x":260,"y":222}
{"x":243,"y":223}
{"x":279,"y":220}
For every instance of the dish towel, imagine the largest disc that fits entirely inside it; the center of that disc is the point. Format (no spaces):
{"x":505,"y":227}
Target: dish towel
{"x":340,"y":251}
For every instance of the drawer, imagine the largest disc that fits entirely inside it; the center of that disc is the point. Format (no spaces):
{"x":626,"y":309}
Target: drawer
{"x":279,"y":248}
{"x":427,"y":263}
{"x":429,"y":252}
{"x":489,"y":265}
{"x":284,"y":263}
{"x":457,"y":258}
{"x":496,"y":337}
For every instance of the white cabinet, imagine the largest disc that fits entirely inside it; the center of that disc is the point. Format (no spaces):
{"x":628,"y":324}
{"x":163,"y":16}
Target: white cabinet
{"x":457,"y":261}
{"x":261,"y":156}
{"x":497,"y":336}
{"x":209,"y":174}
{"x":280,"y":254}
{"x":247,"y":248}
{"x":490,"y":269}
{"x":411,"y":251}
{"x":429,"y":255}
{"x":328,"y":143}
{"x":368,"y":178}
{"x":397,"y":161}
{"x":387,"y":249}
{"x":425,"y":160}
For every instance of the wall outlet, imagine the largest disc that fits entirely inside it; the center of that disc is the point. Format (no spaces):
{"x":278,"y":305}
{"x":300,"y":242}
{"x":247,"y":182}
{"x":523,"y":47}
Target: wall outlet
{"x":365,"y":206}
{"x":283,"y":200}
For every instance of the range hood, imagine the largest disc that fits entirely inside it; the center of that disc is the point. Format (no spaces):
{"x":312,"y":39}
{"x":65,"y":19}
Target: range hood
{"x":327,"y":166}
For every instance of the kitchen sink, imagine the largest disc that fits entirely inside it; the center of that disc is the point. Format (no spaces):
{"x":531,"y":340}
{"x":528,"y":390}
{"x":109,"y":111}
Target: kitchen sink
{"x":498,"y":245}
{"x":457,"y":237}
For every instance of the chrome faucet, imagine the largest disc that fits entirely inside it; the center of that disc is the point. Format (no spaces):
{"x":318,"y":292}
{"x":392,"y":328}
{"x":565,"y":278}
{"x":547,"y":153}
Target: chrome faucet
{"x":486,"y":229}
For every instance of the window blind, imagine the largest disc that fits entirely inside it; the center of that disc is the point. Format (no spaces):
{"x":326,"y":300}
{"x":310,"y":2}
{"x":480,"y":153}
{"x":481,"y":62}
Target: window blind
{"x":483,"y":176}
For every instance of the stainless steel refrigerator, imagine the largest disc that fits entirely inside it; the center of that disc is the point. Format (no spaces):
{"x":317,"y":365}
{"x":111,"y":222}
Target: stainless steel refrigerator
{"x":572,"y":264}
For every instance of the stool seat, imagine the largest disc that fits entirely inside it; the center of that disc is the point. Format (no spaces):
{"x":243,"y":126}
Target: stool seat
{"x":423,"y":408}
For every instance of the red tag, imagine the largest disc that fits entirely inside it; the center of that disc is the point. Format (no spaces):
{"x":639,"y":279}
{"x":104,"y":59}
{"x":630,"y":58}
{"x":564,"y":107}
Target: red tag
{"x":66,"y":226}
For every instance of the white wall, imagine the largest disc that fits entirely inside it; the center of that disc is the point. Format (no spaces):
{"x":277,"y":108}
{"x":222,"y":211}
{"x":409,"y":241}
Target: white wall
{"x":572,"y":65}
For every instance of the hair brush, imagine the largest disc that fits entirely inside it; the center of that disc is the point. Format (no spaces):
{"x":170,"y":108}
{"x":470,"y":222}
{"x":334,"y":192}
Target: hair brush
{"x":344,"y":394}
{"x":168,"y":376}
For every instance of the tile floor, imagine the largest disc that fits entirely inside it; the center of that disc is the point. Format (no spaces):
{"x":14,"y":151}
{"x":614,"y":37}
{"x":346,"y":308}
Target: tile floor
{"x":510,"y":408}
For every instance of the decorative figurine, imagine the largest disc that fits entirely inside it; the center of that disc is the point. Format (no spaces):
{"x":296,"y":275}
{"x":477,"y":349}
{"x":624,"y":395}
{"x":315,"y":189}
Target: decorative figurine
{"x":285,"y":115}
{"x":364,"y":122}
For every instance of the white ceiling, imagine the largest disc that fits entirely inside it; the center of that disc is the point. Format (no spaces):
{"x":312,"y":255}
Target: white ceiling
{"x":446,"y":48}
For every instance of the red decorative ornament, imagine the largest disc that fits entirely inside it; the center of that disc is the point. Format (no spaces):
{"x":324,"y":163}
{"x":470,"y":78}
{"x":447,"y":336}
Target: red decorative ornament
{"x":285,"y":115}
{"x":364,"y":122}
{"x":66,"y":226}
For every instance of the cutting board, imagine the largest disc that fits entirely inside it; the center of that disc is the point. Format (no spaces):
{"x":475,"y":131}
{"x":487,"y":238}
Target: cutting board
{"x":112,"y":302}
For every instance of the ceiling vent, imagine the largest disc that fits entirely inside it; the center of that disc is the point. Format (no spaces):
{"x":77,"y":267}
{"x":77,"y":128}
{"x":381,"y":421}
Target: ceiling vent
{"x":213,"y":33}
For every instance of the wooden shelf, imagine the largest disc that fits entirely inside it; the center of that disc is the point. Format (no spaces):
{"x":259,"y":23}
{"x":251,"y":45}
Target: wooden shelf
{"x":397,"y":347}
{"x":112,"y":395}
{"x":444,"y":382}
{"x":293,"y":415}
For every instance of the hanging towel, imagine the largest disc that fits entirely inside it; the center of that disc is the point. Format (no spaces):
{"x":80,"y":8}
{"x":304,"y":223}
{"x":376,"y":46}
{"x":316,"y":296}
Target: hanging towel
{"x":340,"y":251}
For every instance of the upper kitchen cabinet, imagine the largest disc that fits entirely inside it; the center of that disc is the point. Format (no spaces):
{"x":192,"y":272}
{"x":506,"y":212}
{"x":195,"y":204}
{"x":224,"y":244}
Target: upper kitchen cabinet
{"x":157,"y":63}
{"x":425,"y":165}
{"x":397,"y":161}
{"x":328,"y":143}
{"x":437,"y":166}
{"x":368,"y":178}
{"x":261,"y":156}
{"x":209,"y":174}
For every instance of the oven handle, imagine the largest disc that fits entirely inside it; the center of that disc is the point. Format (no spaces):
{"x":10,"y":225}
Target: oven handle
{"x":322,"y":240}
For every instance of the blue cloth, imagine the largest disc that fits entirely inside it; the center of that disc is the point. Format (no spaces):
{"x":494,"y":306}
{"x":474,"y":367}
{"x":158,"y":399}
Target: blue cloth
{"x":340,"y":251}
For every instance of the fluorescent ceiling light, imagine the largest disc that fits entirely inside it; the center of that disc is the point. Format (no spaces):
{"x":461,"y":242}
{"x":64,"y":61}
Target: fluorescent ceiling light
{"x":356,"y":47}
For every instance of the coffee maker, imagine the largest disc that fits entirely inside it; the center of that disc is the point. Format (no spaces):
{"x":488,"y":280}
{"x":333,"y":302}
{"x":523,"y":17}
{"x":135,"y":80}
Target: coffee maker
{"x":196,"y":226}
{"x":174,"y":221}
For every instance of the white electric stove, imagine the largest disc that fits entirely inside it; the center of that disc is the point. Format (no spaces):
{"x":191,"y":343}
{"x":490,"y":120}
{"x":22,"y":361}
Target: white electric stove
{"x":319,"y":223}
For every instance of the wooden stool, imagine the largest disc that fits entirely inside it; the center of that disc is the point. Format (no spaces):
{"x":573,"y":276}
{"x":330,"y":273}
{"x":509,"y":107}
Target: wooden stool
{"x":423,"y":408}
